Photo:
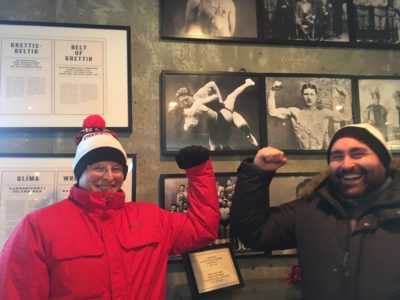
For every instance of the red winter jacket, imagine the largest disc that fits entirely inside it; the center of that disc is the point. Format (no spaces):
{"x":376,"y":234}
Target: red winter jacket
{"x":94,"y":245}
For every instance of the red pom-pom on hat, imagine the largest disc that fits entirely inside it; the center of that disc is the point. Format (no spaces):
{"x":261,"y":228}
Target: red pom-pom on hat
{"x":92,"y":124}
{"x":94,"y":121}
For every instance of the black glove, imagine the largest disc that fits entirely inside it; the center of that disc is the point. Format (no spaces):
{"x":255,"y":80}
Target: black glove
{"x":192,"y":156}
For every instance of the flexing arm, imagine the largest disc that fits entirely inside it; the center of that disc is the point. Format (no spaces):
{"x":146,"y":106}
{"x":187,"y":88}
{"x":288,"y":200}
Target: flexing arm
{"x":273,"y":111}
{"x":253,"y":221}
{"x":344,"y":113}
{"x":200,"y":225}
{"x":269,"y":159}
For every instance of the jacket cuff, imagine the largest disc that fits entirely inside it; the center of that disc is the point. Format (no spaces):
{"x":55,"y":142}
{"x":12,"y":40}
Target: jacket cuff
{"x":199,"y":168}
{"x":247,"y":167}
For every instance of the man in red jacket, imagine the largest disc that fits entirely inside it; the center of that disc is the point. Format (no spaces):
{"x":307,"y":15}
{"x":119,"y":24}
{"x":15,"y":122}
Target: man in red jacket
{"x":94,"y":245}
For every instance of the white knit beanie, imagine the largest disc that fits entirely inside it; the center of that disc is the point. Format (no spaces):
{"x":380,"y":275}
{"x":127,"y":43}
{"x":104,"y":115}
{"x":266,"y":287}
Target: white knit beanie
{"x":96,"y":143}
{"x":367,"y":134}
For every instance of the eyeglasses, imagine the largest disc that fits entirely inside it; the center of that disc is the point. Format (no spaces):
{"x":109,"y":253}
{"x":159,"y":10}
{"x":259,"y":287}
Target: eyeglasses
{"x":101,"y":169}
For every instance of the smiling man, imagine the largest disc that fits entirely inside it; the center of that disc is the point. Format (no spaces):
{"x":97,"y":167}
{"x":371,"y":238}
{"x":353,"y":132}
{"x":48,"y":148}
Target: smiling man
{"x":98,"y":245}
{"x":346,"y":224}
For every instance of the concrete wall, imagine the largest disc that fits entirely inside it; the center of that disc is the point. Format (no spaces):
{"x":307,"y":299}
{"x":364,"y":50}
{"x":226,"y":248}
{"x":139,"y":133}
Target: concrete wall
{"x":150,"y":55}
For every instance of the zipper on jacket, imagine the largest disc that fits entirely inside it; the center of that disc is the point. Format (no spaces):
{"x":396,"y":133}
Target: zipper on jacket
{"x":345,"y":260}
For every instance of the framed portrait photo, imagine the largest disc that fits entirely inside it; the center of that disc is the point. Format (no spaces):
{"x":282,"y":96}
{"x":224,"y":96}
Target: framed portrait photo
{"x":220,"y":111}
{"x":376,"y":23}
{"x":306,"y":22}
{"x":294,"y":187}
{"x":173,"y":196}
{"x":226,"y":20}
{"x":32,"y":181}
{"x":53,"y":75}
{"x":304,"y":111}
{"x":379,"y":105}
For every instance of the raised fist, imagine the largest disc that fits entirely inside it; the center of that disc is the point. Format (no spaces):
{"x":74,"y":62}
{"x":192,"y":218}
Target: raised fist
{"x":341,"y":91}
{"x":249,"y":81}
{"x":270,"y":159}
{"x":277,"y":85}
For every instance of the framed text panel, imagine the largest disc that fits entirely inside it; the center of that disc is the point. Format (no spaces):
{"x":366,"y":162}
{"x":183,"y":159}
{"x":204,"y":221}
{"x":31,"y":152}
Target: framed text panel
{"x":53,"y":75}
{"x":212,"y":269}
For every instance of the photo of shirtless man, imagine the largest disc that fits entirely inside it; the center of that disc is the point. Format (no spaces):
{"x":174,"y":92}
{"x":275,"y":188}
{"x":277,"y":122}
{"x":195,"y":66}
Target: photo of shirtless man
{"x":211,"y":17}
{"x":204,"y":19}
{"x":219,"y":121}
{"x":310,"y":121}
{"x":220,"y":112}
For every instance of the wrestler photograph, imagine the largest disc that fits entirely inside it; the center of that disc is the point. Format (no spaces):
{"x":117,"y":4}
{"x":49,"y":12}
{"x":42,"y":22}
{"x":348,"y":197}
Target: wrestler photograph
{"x":218,"y":111}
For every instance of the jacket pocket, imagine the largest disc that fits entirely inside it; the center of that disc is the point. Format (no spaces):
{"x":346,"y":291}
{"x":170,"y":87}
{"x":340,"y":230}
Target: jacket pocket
{"x":140,"y":236}
{"x":65,"y":250}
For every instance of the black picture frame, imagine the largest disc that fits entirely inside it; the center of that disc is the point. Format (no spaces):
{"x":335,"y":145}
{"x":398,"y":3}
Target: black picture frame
{"x":308,"y":110}
{"x":41,"y":179}
{"x":219,"y":125}
{"x":322,"y":23}
{"x":169,"y":192}
{"x":175,"y":23}
{"x":55,"y":74}
{"x":379,"y":105}
{"x":211,"y":270}
{"x":375,"y":24}
{"x":293,"y":183}
{"x":310,"y":23}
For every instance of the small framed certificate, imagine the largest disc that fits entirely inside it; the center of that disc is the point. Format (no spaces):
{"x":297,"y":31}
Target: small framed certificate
{"x":212,"y":269}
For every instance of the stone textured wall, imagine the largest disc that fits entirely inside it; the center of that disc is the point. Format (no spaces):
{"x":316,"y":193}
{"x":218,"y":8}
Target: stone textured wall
{"x":150,"y":56}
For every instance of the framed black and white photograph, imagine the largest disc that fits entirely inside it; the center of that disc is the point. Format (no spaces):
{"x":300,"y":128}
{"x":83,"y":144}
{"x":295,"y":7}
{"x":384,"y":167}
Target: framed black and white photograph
{"x":220,"y":111}
{"x":304,"y":111}
{"x":376,"y":23}
{"x":295,"y":186}
{"x":211,"y":270}
{"x":308,"y":21}
{"x":53,"y":75}
{"x":318,"y":23}
{"x":173,"y":197}
{"x":209,"y":19}
{"x":379,"y":105}
{"x":32,"y":181}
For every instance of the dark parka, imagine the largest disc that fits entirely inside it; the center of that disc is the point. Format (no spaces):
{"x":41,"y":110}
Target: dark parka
{"x":336,"y":262}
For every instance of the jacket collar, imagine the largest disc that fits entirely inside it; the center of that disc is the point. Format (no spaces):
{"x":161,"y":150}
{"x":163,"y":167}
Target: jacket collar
{"x":97,"y":202}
